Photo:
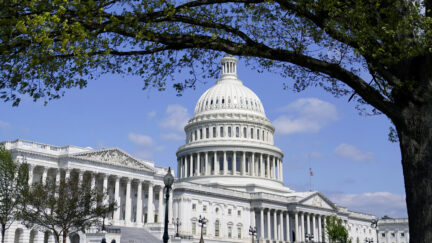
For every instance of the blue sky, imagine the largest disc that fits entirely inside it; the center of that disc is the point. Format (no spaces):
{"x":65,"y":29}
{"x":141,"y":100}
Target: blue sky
{"x":353,"y":162}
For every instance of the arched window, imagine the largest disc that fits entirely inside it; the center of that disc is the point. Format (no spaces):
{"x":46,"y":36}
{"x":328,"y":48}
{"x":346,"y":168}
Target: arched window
{"x":207,"y":132}
{"x":221,"y":132}
{"x":217,"y":226}
{"x":244,"y":132}
{"x":258,"y":133}
{"x":201,"y":133}
{"x":251,"y":133}
{"x":237,"y":132}
{"x":214,"y":132}
{"x":229,"y":132}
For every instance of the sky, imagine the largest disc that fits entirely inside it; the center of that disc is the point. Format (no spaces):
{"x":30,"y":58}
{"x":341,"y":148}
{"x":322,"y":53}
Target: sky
{"x":353,"y":162}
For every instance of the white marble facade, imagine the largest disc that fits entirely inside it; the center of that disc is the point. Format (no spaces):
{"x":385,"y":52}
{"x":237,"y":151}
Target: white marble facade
{"x":228,"y":171}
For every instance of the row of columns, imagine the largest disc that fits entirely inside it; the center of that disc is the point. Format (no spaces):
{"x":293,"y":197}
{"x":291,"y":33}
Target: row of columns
{"x":284,"y":226}
{"x":151,"y":186}
{"x":230,"y":131}
{"x":250,"y":163}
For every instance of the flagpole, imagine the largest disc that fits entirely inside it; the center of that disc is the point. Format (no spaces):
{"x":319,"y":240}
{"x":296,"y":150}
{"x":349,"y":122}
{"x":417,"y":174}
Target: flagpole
{"x":310,"y":173}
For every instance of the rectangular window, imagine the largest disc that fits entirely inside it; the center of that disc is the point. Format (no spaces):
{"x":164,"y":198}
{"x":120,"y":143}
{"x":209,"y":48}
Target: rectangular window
{"x":217,"y":228}
{"x":229,"y":131}
{"x":251,"y":135}
{"x":214,"y":132}
{"x":201,"y":133}
{"x":193,"y":228}
{"x":263,"y":135}
{"x":195,"y":135}
{"x":229,"y":231}
{"x":402,"y":234}
{"x":221,"y":132}
{"x":258,"y":134}
{"x":237,"y":132}
{"x":204,"y":230}
{"x":194,"y":207}
{"x":244,"y":132}
{"x":207,"y":132}
{"x":229,"y":211}
{"x":239,"y":233}
{"x":204,"y":208}
{"x":239,"y":213}
{"x":383,"y":234}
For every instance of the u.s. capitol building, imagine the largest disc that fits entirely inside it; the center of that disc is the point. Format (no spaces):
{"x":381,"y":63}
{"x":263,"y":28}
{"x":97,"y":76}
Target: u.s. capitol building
{"x":228,"y":171}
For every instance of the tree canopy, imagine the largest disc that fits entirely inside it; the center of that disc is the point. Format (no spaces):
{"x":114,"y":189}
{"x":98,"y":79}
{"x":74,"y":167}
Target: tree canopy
{"x":64,"y":208}
{"x":13,"y":183}
{"x":376,"y":51}
{"x":337,"y":233}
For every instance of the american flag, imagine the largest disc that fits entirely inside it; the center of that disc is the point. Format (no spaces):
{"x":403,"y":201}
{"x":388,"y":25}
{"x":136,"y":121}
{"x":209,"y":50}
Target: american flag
{"x":310,"y":172}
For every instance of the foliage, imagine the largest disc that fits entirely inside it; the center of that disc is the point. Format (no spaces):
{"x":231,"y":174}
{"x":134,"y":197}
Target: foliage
{"x":64,"y":208}
{"x":337,"y":233}
{"x":13,"y":183}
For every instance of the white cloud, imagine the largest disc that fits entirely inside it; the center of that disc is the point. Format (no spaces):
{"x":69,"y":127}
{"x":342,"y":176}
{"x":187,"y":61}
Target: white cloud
{"x":151,"y":114}
{"x":377,"y":203}
{"x":146,"y":145}
{"x":4,"y":124}
{"x":306,"y":115}
{"x":172,"y":137}
{"x":176,"y":117}
{"x":140,"y":139}
{"x":347,"y":151}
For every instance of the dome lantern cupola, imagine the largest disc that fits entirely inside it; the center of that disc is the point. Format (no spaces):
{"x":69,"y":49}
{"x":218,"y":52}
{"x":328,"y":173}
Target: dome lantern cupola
{"x":229,"y":66}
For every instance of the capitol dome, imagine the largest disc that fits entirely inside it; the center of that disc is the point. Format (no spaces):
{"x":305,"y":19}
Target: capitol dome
{"x":229,"y":94}
{"x":229,"y":140}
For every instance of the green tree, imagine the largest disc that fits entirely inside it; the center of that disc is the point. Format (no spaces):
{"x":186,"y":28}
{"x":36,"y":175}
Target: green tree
{"x":337,"y":233}
{"x":64,"y":208}
{"x":13,"y":183}
{"x":377,"y":52}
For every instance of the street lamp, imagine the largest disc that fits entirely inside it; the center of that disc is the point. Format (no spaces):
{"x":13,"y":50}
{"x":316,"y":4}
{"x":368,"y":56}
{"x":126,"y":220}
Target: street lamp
{"x":374,"y":224}
{"x":177,"y":223}
{"x":309,"y":237}
{"x":252,"y":232}
{"x":168,"y":181}
{"x":368,"y":240}
{"x":203,"y":222}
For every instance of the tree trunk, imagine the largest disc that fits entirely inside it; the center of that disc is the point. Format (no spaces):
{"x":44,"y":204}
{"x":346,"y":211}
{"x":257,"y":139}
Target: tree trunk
{"x":65,"y":236}
{"x":415,"y":137}
{"x":3,"y":232}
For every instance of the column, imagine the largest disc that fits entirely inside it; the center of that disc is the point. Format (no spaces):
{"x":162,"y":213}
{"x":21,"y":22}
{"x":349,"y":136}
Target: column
{"x":303,"y":227}
{"x":139,"y":203}
{"x":273,"y":176}
{"x":170,"y":205}
{"x":296,"y":231}
{"x":281,"y":226}
{"x":268,"y":225}
{"x":262,"y":169}
{"x":234,"y":161}
{"x":80,"y":177}
{"x":252,"y":216}
{"x":178,"y":168}
{"x":44,"y":175}
{"x":117,"y":199}
{"x":314,"y":227}
{"x":319,"y":229}
{"x":128,"y":201}
{"x":67,"y":174}
{"x":243,"y":167}
{"x":30,"y":178}
{"x":287,"y":225}
{"x":225,"y":163}
{"x":207,"y":166}
{"x":160,"y":207}
{"x":150,"y":210}
{"x":252,"y":167}
{"x":186,"y":167}
{"x":281,"y":169}
{"x":216,"y":163}
{"x":105,"y":189}
{"x":93,"y":181}
{"x":308,"y":230}
{"x":191,"y":168}
{"x":198,"y":169}
{"x":57,"y":178}
{"x":275,"y":225}
{"x":261,"y":223}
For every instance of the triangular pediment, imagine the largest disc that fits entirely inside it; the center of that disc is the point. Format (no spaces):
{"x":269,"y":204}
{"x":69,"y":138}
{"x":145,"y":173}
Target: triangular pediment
{"x":319,"y":201}
{"x":113,"y":156}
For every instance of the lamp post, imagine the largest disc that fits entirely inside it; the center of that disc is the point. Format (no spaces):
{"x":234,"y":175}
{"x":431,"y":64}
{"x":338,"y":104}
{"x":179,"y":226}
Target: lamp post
{"x":253,"y":233}
{"x":309,"y":237}
{"x":374,"y":224}
{"x":168,"y":181}
{"x":177,"y":223}
{"x":369,"y":240}
{"x":203,"y":222}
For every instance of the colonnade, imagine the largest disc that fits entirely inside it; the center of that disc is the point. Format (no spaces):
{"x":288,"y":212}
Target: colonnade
{"x":138,"y":201}
{"x":243,"y":163}
{"x":275,"y":225}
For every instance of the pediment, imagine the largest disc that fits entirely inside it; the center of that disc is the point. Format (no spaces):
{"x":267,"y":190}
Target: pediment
{"x":113,"y":156}
{"x":319,"y":201}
